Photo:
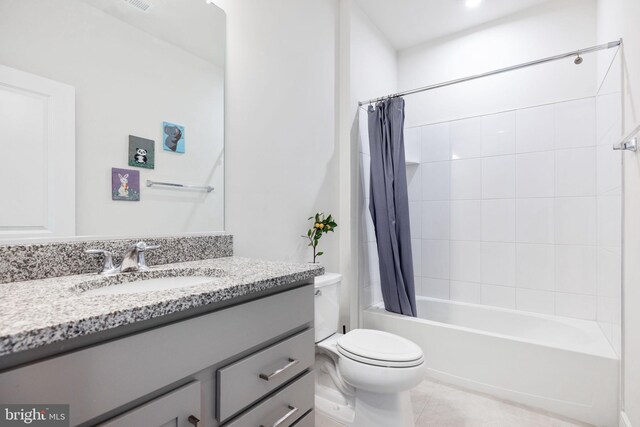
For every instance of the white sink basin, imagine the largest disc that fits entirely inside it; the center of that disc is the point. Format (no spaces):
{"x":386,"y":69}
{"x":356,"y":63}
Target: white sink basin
{"x":151,"y":285}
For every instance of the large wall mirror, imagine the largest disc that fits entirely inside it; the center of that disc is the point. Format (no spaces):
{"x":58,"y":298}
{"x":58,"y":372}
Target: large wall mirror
{"x":99,"y":99}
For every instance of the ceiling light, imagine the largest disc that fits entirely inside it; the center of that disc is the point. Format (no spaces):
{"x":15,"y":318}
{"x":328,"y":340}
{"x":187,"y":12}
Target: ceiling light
{"x":472,"y":3}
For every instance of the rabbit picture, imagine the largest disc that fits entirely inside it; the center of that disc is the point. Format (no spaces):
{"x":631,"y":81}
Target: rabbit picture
{"x":125,"y":184}
{"x":123,"y":191}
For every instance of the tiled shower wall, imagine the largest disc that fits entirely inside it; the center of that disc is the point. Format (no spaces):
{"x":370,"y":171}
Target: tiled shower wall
{"x":505,"y":209}
{"x":609,"y":205}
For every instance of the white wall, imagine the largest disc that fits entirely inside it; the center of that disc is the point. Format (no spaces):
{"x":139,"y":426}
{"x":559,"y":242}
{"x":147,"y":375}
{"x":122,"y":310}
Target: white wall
{"x":373,"y":74}
{"x":281,"y":156}
{"x":125,"y":85}
{"x":554,"y":27}
{"x":618,"y":18}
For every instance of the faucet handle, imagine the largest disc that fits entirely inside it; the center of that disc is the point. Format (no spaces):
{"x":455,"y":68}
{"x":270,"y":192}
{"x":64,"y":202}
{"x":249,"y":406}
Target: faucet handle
{"x":142,"y":247}
{"x":107,"y":263}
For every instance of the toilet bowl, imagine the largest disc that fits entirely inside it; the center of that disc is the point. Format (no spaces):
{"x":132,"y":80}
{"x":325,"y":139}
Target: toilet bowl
{"x":363,"y":377}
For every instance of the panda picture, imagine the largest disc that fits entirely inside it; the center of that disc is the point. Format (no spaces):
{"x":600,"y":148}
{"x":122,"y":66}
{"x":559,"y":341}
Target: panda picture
{"x":141,"y":152}
{"x":141,"y":156}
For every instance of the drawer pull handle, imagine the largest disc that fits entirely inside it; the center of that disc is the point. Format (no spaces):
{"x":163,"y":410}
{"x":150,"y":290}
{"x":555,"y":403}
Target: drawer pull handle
{"x":267,"y":377}
{"x":193,"y":420}
{"x":292,"y":410}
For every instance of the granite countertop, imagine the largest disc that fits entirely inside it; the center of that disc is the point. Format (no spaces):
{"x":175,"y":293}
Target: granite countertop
{"x":39,"y":312}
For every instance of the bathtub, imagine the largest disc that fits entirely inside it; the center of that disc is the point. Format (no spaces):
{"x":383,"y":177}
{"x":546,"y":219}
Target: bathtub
{"x":561,"y":365}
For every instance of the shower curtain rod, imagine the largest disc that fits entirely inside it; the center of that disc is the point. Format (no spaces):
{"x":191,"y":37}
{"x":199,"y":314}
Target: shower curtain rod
{"x":576,"y":53}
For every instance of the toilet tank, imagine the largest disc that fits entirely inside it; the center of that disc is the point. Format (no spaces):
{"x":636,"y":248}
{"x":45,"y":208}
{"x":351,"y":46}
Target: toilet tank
{"x":327,"y":308}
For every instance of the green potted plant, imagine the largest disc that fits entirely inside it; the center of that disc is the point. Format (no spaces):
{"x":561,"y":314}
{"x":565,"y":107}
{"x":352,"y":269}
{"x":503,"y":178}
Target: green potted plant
{"x":321,"y":225}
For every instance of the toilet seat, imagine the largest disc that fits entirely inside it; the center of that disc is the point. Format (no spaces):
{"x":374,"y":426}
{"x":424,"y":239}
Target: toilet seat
{"x":379,"y":348}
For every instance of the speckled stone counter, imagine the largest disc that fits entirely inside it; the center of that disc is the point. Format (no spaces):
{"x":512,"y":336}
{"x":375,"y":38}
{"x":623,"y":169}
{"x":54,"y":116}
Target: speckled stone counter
{"x":56,"y":259}
{"x":40,"y":312}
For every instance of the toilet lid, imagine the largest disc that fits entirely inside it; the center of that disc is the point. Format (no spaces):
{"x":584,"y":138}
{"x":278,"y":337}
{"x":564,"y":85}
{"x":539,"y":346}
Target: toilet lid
{"x":379,"y":348}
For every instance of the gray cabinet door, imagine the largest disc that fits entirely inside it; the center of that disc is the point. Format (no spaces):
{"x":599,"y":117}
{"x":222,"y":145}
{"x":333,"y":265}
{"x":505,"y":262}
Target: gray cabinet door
{"x":170,"y":410}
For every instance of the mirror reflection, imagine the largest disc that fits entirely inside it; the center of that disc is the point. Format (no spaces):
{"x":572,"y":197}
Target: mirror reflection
{"x":113,"y":112}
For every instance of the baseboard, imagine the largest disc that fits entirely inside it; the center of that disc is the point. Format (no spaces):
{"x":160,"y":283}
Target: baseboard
{"x":624,"y":420}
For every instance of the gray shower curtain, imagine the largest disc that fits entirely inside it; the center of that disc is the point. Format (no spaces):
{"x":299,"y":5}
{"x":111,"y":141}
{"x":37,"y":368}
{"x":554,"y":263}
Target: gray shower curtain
{"x":389,"y":205}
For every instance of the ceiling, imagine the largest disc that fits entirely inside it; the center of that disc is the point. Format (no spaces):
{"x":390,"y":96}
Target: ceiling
{"x":407,"y":23}
{"x":193,"y":25}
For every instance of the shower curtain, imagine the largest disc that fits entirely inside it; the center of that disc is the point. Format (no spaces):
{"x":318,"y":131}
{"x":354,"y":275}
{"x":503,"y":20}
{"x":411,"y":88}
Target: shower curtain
{"x":389,"y":205}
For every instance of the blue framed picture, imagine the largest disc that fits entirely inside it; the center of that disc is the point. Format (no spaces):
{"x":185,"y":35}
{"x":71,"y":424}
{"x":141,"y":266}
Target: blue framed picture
{"x":173,"y":137}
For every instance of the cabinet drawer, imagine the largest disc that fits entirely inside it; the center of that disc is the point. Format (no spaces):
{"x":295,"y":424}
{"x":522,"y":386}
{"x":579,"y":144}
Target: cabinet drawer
{"x":247,"y":380}
{"x":308,"y":420}
{"x":175,"y":408}
{"x":282,"y":409}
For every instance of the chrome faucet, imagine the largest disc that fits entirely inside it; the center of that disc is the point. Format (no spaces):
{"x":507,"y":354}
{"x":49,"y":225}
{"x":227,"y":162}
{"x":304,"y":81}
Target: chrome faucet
{"x":133,"y":259}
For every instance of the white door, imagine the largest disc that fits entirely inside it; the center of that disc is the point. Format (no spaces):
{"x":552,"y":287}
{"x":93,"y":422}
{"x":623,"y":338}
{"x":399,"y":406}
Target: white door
{"x":37,"y":156}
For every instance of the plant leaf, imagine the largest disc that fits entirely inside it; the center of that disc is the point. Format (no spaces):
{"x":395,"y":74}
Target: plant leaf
{"x":320,"y":253}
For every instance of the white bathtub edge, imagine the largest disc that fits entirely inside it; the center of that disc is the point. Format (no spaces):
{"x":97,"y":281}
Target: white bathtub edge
{"x":624,"y":420}
{"x":606,"y":353}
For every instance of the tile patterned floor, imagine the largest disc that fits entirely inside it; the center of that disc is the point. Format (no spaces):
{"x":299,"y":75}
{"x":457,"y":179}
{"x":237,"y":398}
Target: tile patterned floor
{"x":440,"y":405}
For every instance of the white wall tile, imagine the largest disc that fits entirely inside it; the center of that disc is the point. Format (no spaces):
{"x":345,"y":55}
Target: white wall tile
{"x":574,"y":305}
{"x":499,"y":177}
{"x":608,"y":118}
{"x":466,"y":179}
{"x":535,"y":266}
{"x":415,"y":218}
{"x":466,"y":220}
{"x":535,"y":174}
{"x":416,"y":255}
{"x":412,"y":144}
{"x":504,"y":211}
{"x":609,"y":274}
{"x":535,"y":301}
{"x":535,"y":220}
{"x":417,"y":285}
{"x":576,"y":172}
{"x":368,"y":263}
{"x":435,"y":220}
{"x":466,"y":138}
{"x":435,"y":180}
{"x":435,"y":259}
{"x":498,"y":263}
{"x":435,"y":288}
{"x":499,"y":220}
{"x":575,"y":123}
{"x":608,"y":310}
{"x":608,"y":171}
{"x":535,"y":129}
{"x":575,"y":221}
{"x":465,"y":292}
{"x":465,"y":261}
{"x":414,"y":183}
{"x":434,"y":143}
{"x":499,"y":134}
{"x":576,"y":268}
{"x":500,"y":296}
{"x":609,"y":222}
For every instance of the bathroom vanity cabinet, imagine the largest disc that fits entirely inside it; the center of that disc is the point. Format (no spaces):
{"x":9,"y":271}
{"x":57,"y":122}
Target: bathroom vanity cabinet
{"x":248,"y":364}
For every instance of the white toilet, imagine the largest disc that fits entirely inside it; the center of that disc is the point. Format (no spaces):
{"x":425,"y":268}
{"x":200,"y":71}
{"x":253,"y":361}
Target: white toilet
{"x":363,"y":377}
